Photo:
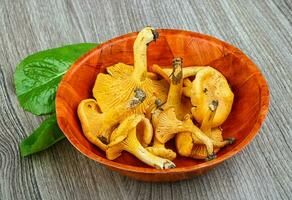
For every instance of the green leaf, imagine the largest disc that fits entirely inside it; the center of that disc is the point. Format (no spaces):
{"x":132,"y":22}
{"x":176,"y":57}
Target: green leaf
{"x":42,"y":138}
{"x":37,"y":77}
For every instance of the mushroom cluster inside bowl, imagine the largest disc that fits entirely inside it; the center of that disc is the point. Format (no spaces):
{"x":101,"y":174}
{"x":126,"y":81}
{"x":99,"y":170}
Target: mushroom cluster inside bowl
{"x":124,"y":90}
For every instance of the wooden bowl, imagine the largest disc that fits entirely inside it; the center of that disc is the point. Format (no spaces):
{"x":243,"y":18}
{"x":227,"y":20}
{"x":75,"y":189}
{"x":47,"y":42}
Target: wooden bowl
{"x":249,"y":86}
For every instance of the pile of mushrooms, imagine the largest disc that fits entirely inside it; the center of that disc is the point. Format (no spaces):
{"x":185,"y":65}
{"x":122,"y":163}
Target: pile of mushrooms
{"x":138,"y":111}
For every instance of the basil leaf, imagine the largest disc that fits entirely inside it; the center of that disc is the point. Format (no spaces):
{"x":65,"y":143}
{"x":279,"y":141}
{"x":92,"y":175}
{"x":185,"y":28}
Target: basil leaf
{"x":42,"y":138}
{"x":37,"y":77}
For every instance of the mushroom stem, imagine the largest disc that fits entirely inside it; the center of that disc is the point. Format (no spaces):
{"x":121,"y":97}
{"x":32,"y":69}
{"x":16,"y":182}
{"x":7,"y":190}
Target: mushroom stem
{"x":175,"y":79}
{"x":188,"y":71}
{"x":175,"y":90}
{"x":169,"y":126}
{"x":158,"y":70}
{"x":144,"y":37}
{"x":206,"y":125}
{"x":197,"y":133}
{"x":133,"y":146}
{"x":140,"y":60}
{"x":223,"y":143}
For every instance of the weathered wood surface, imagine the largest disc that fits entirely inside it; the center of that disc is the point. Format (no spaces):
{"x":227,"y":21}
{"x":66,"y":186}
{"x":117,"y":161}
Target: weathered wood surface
{"x":262,"y":29}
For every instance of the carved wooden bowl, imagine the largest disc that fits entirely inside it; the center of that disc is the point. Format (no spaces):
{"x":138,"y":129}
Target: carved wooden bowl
{"x":249,"y":86}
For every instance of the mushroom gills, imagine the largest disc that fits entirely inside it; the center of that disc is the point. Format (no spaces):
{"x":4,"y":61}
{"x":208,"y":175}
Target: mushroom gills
{"x":197,"y":149}
{"x":130,"y":143}
{"x":173,"y":100}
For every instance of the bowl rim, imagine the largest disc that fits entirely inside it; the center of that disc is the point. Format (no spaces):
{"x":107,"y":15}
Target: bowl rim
{"x":264,"y":100}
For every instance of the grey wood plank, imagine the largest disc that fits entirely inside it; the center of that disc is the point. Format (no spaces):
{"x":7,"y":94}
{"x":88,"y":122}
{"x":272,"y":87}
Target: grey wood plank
{"x":262,"y":29}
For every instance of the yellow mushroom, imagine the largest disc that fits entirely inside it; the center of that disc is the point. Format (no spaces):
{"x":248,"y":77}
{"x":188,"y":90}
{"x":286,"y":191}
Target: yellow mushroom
{"x":210,"y":85}
{"x":114,"y":88}
{"x":181,"y":106}
{"x":189,"y":145}
{"x":124,"y":137}
{"x":169,"y":126}
{"x":186,"y":146}
{"x":213,"y":133}
{"x":89,"y":115}
{"x":199,"y":150}
{"x":98,"y":126}
{"x":175,"y":99}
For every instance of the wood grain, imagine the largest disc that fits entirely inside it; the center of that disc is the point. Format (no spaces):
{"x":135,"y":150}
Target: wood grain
{"x":262,"y":29}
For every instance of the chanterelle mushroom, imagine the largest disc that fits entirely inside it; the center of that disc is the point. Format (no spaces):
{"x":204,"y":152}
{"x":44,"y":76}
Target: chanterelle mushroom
{"x":213,"y":133}
{"x":89,"y":115}
{"x":188,"y":148}
{"x":174,"y":99}
{"x":124,"y":137}
{"x":169,"y":126}
{"x":98,"y":126}
{"x":189,"y":145}
{"x":114,"y":88}
{"x":210,"y":85}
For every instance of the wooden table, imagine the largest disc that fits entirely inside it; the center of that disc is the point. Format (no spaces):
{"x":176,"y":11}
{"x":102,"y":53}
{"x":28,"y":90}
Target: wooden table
{"x":262,"y":29}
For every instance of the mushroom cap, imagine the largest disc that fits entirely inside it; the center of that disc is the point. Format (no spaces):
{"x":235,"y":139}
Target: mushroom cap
{"x":115,"y":147}
{"x":122,"y":131}
{"x":199,"y":151}
{"x":184,"y":143}
{"x":115,"y":88}
{"x":89,"y":115}
{"x":143,"y":128}
{"x":210,"y":85}
{"x":188,"y":146}
{"x":160,"y":71}
{"x":144,"y":132}
{"x":115,"y":151}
